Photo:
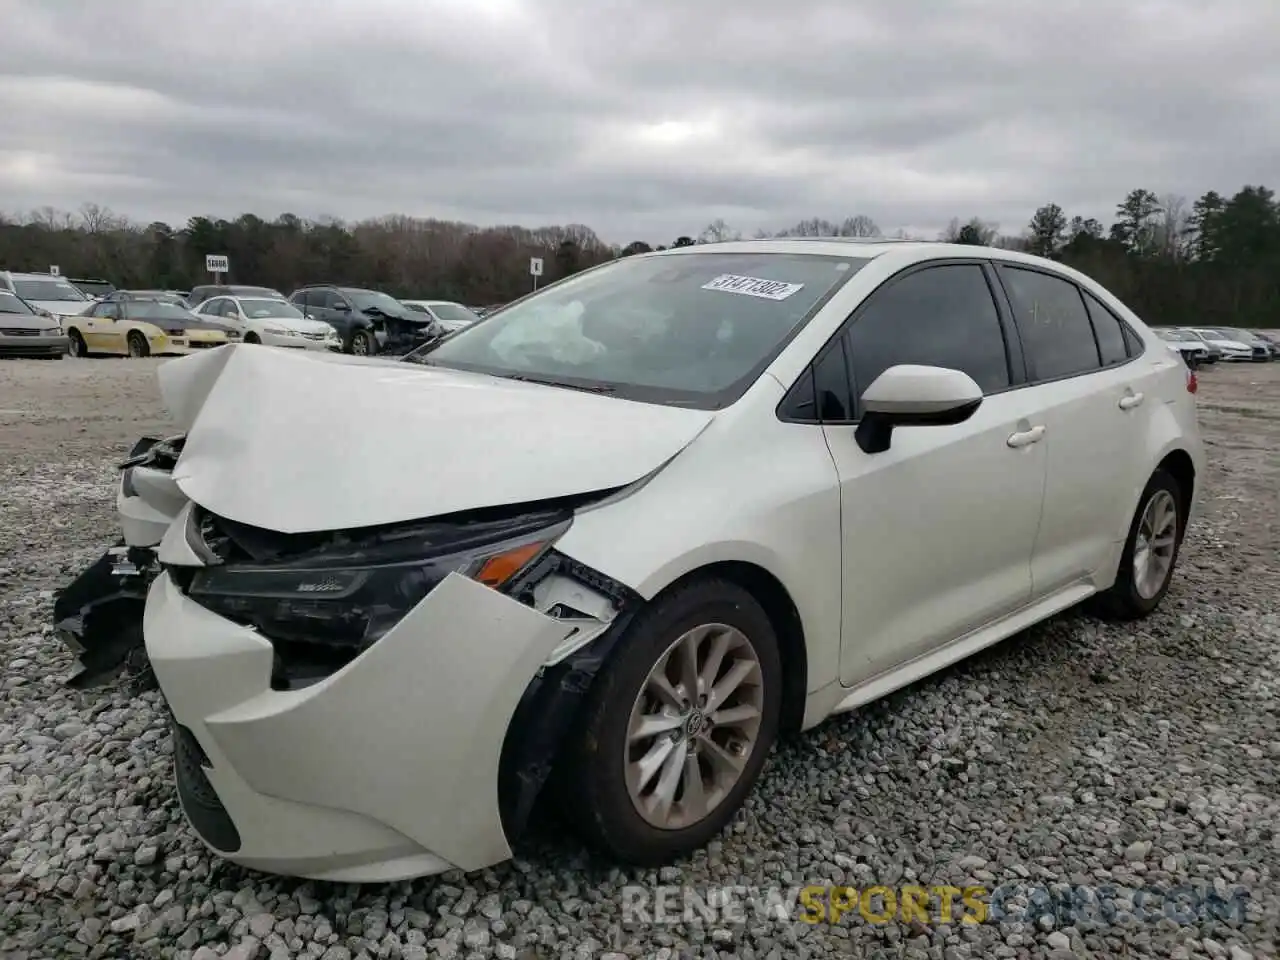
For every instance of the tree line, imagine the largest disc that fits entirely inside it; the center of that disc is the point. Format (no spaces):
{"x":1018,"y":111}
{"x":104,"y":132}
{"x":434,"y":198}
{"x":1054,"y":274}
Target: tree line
{"x":1213,"y":261}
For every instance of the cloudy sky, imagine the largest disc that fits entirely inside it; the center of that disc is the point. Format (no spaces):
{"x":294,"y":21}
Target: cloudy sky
{"x":641,"y":118}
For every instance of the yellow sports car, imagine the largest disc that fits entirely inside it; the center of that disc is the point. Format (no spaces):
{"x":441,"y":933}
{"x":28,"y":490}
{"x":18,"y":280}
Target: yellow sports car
{"x":138,"y":327}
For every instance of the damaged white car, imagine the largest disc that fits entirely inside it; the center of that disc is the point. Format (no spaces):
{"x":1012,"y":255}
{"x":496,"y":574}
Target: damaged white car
{"x":626,"y":531}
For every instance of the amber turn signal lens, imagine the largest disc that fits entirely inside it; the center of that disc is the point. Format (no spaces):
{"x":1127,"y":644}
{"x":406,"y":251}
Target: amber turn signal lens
{"x":498,"y":570}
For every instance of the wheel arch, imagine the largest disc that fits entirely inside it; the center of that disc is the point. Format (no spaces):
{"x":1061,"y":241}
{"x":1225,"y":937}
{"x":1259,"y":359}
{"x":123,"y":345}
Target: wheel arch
{"x":1178,"y":463}
{"x":534,"y":747}
{"x":784,"y":616}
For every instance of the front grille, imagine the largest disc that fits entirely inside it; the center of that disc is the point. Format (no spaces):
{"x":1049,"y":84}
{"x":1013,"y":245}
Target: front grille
{"x":19,"y":332}
{"x":314,"y":336}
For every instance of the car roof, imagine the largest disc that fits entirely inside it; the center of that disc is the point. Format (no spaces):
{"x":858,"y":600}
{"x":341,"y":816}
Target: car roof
{"x":903,"y":251}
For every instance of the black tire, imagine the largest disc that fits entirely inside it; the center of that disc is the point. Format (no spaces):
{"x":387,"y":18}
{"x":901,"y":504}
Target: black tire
{"x":594,"y":784}
{"x":252,"y":338}
{"x":1122,"y":601}
{"x":76,"y":345}
{"x":362,"y":344}
{"x":138,"y":346}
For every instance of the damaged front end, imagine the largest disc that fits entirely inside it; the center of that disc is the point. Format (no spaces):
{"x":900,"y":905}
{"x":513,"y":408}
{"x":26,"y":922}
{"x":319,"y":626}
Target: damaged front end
{"x":323,"y":599}
{"x":98,"y":615}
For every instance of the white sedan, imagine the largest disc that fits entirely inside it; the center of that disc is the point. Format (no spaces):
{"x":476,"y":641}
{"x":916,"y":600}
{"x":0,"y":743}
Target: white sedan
{"x":1233,"y":349}
{"x":631,"y":529}
{"x":449,"y":316}
{"x":276,"y":323}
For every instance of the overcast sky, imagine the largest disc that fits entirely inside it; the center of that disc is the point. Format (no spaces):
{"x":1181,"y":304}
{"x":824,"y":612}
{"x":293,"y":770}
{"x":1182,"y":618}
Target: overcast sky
{"x":641,"y":118}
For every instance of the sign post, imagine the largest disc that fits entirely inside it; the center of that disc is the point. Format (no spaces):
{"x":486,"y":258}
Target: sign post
{"x":217,"y":264}
{"x":55,"y":270}
{"x":535,"y":270}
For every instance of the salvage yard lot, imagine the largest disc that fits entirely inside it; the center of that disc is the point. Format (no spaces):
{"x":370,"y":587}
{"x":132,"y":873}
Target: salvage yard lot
{"x":1080,"y":753}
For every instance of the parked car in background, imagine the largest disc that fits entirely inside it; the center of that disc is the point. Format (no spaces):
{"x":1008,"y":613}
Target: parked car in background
{"x":93,"y":289}
{"x":25,"y":333}
{"x":598,"y":589}
{"x":1191,"y":348}
{"x":449,"y":316}
{"x":165,"y":296}
{"x":1233,"y":350}
{"x":134,"y":327}
{"x":1260,"y":346}
{"x":199,"y":295}
{"x":1272,"y":339}
{"x":270,"y":321}
{"x":45,"y":293}
{"x":369,"y":321}
{"x":1214,"y":353}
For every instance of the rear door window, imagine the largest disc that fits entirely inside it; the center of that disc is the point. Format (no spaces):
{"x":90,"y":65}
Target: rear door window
{"x":1053,"y":323}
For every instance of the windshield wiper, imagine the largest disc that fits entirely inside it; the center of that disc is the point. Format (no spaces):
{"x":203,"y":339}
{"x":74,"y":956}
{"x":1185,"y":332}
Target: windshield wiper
{"x":549,"y":382}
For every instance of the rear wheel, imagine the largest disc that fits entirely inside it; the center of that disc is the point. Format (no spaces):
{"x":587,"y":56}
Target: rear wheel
{"x":138,"y":345}
{"x":678,"y":725}
{"x":76,"y":344}
{"x":1150,"y":552}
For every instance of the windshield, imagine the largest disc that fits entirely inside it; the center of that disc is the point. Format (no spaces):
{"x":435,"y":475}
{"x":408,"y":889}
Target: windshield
{"x":261,"y":309}
{"x":11,"y":304}
{"x":95,"y":288}
{"x":1176,"y":335}
{"x":157,"y":310}
{"x":453,"y":313}
{"x":54,"y":288}
{"x":693,"y":329}
{"x":1212,"y":334}
{"x":364,"y":299}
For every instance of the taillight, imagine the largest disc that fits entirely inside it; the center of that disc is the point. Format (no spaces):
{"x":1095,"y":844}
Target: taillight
{"x":1192,"y":384}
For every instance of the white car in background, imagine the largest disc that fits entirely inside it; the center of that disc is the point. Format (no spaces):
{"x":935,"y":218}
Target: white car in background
{"x":632,"y":528}
{"x":449,"y":316}
{"x":47,"y":294}
{"x":1232,"y":349}
{"x":273,"y":322}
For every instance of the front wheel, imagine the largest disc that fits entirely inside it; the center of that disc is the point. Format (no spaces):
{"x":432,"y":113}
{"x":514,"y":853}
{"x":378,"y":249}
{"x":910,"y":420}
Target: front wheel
{"x":678,"y":724}
{"x":362,"y":343}
{"x":76,"y":344}
{"x":138,"y":346}
{"x":252,"y":338}
{"x":1150,"y":552}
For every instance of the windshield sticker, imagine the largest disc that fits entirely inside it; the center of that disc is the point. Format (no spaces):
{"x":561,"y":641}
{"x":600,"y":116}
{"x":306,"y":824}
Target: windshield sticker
{"x":753,"y":287}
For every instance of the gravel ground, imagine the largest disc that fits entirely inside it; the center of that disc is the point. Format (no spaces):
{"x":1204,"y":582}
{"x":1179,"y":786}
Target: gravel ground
{"x":1078,"y":754}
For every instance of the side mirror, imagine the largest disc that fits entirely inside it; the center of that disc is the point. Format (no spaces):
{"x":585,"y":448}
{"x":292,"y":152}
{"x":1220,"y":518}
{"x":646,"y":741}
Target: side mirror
{"x":343,"y":307}
{"x":908,"y":395}
{"x":307,"y":316}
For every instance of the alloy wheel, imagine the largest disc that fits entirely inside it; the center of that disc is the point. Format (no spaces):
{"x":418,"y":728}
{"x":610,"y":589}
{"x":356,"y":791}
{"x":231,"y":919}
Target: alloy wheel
{"x":1154,"y":545}
{"x":693,"y":726}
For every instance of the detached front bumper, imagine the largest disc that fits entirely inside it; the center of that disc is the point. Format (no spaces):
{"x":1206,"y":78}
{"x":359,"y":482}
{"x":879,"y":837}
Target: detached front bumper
{"x":98,"y":616}
{"x":385,"y":770}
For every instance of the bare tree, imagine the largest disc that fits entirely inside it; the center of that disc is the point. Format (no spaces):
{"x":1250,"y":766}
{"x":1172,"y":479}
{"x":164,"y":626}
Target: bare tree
{"x":717,"y":231}
{"x":1173,"y":235}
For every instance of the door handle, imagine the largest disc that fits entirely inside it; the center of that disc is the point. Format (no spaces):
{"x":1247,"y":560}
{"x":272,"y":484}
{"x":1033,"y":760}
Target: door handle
{"x":1130,"y":401}
{"x":1024,"y":438}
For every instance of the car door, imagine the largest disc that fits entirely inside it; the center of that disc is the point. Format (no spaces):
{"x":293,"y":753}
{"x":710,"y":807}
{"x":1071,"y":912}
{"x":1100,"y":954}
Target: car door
{"x":88,"y":324}
{"x":108,"y":331}
{"x":1093,"y":400}
{"x":937,"y":530}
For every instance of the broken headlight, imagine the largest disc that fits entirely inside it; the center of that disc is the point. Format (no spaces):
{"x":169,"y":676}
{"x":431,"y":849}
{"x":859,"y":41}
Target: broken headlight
{"x":348,"y":596}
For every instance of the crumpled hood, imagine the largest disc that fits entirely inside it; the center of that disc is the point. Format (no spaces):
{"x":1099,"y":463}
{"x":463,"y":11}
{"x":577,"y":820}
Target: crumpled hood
{"x":298,"y":441}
